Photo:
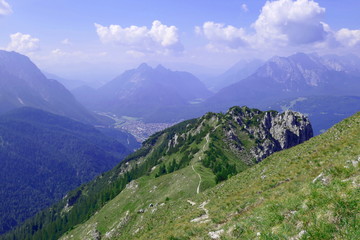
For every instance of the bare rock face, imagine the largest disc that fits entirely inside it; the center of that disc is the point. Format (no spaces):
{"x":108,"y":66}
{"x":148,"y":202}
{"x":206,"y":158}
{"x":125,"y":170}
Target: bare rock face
{"x":271,"y":130}
{"x":290,"y":129}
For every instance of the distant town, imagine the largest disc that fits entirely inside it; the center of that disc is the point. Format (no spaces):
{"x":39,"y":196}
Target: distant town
{"x":135,"y":126}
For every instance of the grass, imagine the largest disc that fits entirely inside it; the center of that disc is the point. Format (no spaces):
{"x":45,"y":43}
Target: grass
{"x":181,"y":184}
{"x":311,"y":191}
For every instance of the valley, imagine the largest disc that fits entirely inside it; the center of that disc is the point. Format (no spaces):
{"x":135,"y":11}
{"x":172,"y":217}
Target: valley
{"x":139,"y":129}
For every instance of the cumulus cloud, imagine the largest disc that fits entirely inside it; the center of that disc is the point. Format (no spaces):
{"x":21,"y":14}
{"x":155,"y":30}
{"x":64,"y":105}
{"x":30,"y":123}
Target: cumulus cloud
{"x":166,"y":36}
{"x":23,"y":43}
{"x":5,"y":8}
{"x":223,"y":36}
{"x":280,"y":23}
{"x":159,"y":38}
{"x":282,"y":26}
{"x":291,"y":22}
{"x":348,"y":38}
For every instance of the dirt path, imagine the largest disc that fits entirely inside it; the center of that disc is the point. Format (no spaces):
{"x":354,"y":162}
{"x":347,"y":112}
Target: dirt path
{"x":192,"y":166}
{"x":205,"y":217}
{"x":198,"y":187}
{"x":207,"y":141}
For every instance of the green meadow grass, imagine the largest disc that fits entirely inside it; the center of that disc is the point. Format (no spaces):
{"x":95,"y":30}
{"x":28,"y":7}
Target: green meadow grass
{"x":311,"y":191}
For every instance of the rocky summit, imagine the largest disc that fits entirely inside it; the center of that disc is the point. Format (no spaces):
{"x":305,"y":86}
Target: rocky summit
{"x":272,"y":131}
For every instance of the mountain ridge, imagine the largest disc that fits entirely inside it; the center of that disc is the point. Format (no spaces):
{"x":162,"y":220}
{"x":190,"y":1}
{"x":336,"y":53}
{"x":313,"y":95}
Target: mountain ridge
{"x":308,"y":191}
{"x":298,"y":75}
{"x":145,"y":90}
{"x":23,"y":84}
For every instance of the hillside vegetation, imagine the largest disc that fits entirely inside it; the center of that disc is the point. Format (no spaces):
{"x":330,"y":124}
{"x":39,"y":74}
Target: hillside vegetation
{"x":310,"y":191}
{"x":43,"y":156}
{"x":174,"y":164}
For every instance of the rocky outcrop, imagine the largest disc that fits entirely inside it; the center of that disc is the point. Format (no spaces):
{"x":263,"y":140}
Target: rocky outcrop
{"x":271,"y":131}
{"x":290,"y":129}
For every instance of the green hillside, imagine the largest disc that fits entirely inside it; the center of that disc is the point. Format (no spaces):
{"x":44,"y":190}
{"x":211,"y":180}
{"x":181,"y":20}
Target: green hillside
{"x":173,"y":165}
{"x":311,"y":191}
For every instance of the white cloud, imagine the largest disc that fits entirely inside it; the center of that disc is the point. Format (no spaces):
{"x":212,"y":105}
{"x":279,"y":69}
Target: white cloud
{"x":23,"y":43}
{"x":60,"y":53}
{"x":166,"y":36}
{"x":290,"y":22}
{"x":132,"y":35}
{"x":66,"y":41}
{"x":244,"y":7}
{"x":5,"y":8}
{"x":348,"y":38}
{"x":281,"y":24}
{"x":135,"y":54}
{"x":220,"y":35}
{"x":159,"y":38}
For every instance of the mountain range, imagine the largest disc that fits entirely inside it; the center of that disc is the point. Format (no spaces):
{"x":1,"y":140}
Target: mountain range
{"x":298,"y":75}
{"x":143,"y":91}
{"x":161,"y":95}
{"x":70,"y":84}
{"x":43,"y":156}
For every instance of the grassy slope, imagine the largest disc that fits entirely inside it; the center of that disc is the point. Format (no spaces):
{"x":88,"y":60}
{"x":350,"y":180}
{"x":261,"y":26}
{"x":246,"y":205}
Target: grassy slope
{"x":276,"y":199}
{"x":179,"y":185}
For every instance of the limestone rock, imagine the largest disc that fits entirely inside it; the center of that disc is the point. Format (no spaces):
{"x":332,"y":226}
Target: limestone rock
{"x":272,"y":131}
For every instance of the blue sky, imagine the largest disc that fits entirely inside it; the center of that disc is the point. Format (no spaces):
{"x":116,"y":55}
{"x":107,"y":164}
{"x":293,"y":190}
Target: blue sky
{"x":79,"y":39}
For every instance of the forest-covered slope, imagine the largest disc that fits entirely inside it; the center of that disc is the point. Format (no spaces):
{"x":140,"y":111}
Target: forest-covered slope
{"x":43,"y":156}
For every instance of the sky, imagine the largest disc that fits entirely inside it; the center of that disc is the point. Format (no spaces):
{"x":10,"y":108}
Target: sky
{"x":97,"y":40}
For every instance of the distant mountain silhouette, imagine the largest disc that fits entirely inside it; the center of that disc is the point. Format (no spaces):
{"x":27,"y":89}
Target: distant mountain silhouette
{"x":286,"y":77}
{"x":23,"y":84}
{"x":70,"y":84}
{"x":143,"y":91}
{"x":237,"y":72}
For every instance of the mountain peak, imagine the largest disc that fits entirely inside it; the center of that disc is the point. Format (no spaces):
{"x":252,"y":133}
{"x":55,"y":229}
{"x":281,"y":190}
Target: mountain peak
{"x":19,"y":65}
{"x":143,"y":67}
{"x":160,"y":68}
{"x":29,"y":87}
